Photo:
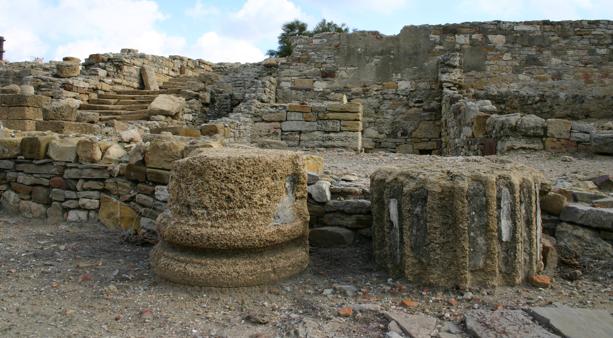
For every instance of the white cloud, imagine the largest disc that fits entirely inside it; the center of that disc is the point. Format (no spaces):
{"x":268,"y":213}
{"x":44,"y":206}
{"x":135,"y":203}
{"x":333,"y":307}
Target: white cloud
{"x":200,"y":10}
{"x":262,"y":19}
{"x":217,"y":48}
{"x":79,"y":28}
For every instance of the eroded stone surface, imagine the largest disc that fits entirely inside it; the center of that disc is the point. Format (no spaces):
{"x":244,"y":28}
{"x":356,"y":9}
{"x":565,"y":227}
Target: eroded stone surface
{"x":236,"y":217}
{"x":457,"y":221}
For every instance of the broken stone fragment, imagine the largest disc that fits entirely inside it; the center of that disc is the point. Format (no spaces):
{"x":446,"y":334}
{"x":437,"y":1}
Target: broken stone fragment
{"x":320,"y":191}
{"x":167,"y":105}
{"x":88,"y":151}
{"x":63,"y":149}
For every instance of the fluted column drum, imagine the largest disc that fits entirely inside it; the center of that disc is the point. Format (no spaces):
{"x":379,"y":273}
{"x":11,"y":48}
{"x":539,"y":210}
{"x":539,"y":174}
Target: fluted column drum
{"x":458,"y":221}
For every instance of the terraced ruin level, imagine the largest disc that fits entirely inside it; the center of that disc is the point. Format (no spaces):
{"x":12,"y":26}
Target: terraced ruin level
{"x":448,"y":181}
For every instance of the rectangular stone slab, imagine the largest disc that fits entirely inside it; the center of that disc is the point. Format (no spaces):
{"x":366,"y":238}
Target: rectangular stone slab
{"x":575,"y":323}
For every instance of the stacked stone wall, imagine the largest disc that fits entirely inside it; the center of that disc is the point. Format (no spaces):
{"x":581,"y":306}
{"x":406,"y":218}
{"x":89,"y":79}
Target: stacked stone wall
{"x":548,"y":69}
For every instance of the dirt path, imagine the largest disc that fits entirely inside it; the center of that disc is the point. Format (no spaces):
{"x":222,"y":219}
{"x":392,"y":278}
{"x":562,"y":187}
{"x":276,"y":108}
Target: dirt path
{"x":84,"y":280}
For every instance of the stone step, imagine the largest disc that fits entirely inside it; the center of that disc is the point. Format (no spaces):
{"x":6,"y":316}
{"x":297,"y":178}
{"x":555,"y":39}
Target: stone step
{"x":119,"y":102}
{"x":129,"y":107}
{"x":146,"y":92}
{"x":127,"y":116}
{"x":127,"y":97}
{"x":137,"y":92}
{"x":116,"y":112}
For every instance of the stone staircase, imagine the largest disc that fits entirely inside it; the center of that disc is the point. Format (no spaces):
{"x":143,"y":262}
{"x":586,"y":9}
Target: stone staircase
{"x":126,"y":105}
{"x":184,"y":82}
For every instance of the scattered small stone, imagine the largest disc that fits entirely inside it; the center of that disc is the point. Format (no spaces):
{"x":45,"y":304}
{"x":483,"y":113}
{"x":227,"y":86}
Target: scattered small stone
{"x":345,"y":311}
{"x":409,"y":304}
{"x":541,"y":281}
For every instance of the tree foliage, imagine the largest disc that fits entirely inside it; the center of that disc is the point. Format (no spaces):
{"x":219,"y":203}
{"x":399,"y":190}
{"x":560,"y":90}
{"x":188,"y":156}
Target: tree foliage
{"x":295,"y":28}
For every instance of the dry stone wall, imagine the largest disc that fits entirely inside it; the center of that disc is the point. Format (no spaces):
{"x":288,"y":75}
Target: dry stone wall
{"x":548,"y":69}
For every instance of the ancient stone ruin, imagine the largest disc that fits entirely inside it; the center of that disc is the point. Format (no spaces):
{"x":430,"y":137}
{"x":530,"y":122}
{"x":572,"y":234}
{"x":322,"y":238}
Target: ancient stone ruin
{"x":483,"y":215}
{"x":235,"y":218}
{"x":458,"y":157}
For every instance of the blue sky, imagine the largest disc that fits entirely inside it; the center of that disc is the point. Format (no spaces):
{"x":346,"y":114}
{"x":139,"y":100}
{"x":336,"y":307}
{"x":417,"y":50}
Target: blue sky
{"x":237,"y":31}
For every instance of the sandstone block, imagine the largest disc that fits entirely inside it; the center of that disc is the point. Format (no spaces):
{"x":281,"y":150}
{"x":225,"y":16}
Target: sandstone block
{"x":314,"y":164}
{"x":10,"y":147}
{"x":149,"y":80}
{"x":23,"y":125}
{"x":560,"y":145}
{"x":35,"y":147}
{"x":157,"y":175}
{"x":10,"y":89}
{"x":117,"y":215}
{"x":67,"y":69}
{"x":62,"y":110}
{"x":274,"y":116}
{"x":114,"y":153}
{"x":37,"y":101}
{"x":88,"y":151}
{"x":531,"y":125}
{"x":351,"y":107}
{"x":303,"y":84}
{"x":351,"y":125}
{"x":66,"y":127}
{"x":458,"y":221}
{"x":24,"y":113}
{"x":553,"y":203}
{"x":558,"y":128}
{"x":340,"y":116}
{"x":63,"y":149}
{"x":168,"y":105}
{"x":161,"y":154}
{"x":348,"y":140}
{"x":300,"y":108}
{"x":256,"y":224}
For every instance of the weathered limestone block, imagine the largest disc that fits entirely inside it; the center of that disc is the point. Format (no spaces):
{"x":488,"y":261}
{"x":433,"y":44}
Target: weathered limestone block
{"x":116,"y":214}
{"x":458,"y":221}
{"x":63,"y":149}
{"x":35,"y":147}
{"x":10,"y":147}
{"x":236,"y":217}
{"x":162,"y":153}
{"x":67,"y":69}
{"x":23,"y":125}
{"x":37,"y":101}
{"x":149,"y":80}
{"x":558,"y":128}
{"x":22,"y":113}
{"x":88,"y":151}
{"x":168,"y":105}
{"x":62,"y":110}
{"x":67,"y":127}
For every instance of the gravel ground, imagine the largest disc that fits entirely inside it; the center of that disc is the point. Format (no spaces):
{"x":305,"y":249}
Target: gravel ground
{"x":84,"y":280}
